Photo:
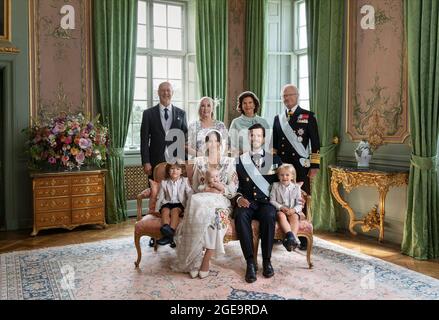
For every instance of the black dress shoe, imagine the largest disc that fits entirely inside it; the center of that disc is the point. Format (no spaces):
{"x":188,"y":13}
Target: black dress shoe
{"x":303,"y":243}
{"x":290,"y":243}
{"x":250,"y":274}
{"x":167,"y":231}
{"x":287,"y":244}
{"x":164,"y":241}
{"x":268,"y":271}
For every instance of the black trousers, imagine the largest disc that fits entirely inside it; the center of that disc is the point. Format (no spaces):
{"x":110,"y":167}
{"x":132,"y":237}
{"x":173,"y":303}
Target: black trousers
{"x":265,"y":213}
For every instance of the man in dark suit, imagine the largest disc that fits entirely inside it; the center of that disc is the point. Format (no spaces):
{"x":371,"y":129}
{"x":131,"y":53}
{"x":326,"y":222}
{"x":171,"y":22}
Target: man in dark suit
{"x":163,"y":126}
{"x":296,"y":139}
{"x":256,"y":171}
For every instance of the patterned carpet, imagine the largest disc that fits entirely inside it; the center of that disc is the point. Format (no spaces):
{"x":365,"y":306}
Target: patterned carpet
{"x":105,"y":270}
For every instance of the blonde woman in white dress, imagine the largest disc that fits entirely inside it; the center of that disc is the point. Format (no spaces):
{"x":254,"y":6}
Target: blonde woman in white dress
{"x":200,"y":235}
{"x":206,"y":122}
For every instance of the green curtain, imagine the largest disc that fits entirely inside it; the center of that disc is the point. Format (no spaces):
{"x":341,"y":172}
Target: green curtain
{"x":325,"y":20}
{"x":421,"y":229}
{"x":211,"y":50}
{"x":256,"y":47}
{"x":114,"y":35}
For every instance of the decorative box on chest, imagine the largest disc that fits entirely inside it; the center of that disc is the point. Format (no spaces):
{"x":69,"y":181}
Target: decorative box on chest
{"x":68,"y":199}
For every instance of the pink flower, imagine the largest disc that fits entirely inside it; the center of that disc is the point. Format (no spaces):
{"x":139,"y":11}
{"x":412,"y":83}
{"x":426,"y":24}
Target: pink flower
{"x":59,"y":127}
{"x":52,"y":160}
{"x":75,"y":125}
{"x":85,"y":134}
{"x":84,"y":143}
{"x":80,"y":157}
{"x":68,"y":140}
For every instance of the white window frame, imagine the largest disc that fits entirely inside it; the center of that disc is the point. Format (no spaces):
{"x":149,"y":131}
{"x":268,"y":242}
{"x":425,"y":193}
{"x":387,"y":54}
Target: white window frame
{"x":150,"y":52}
{"x":294,"y":54}
{"x":299,"y":52}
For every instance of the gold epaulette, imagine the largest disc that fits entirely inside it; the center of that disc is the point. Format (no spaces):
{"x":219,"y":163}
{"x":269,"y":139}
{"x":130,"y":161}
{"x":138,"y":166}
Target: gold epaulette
{"x":315,"y":158}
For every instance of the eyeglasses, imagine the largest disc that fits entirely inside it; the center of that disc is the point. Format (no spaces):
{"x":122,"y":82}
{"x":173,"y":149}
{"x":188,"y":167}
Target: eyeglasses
{"x":289,"y":95}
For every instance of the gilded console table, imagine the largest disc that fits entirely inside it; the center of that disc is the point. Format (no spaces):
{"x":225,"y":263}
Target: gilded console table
{"x":351,"y":177}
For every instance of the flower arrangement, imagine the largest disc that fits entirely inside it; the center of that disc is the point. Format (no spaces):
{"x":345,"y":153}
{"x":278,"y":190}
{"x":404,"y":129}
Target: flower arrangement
{"x":67,"y":141}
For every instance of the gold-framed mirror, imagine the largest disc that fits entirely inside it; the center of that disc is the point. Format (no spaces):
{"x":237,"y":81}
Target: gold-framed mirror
{"x":6,"y":45}
{"x":5,"y":14}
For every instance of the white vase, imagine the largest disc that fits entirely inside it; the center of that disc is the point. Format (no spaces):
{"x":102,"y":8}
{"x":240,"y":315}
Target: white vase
{"x":363,"y":154}
{"x":363,"y":161}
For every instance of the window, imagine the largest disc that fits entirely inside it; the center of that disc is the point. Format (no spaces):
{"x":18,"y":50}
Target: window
{"x":287,"y":54}
{"x":165,"y":52}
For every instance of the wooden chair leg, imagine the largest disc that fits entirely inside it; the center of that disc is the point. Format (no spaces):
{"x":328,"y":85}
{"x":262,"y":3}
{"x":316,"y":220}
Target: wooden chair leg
{"x":255,"y":249}
{"x":138,"y":248}
{"x":308,"y":251}
{"x":139,"y":207}
{"x":155,"y":245}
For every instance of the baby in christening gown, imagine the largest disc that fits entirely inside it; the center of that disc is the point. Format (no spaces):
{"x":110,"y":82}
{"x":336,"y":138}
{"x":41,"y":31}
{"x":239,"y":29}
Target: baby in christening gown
{"x":212,"y":182}
{"x":206,"y":216}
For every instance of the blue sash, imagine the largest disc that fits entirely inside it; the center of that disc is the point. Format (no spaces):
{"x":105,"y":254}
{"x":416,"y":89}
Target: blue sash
{"x":254,"y":174}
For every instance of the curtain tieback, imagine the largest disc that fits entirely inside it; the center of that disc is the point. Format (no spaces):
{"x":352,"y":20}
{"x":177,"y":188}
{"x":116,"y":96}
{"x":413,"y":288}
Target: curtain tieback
{"x":424,"y":163}
{"x":325,"y":150}
{"x":115,"y":152}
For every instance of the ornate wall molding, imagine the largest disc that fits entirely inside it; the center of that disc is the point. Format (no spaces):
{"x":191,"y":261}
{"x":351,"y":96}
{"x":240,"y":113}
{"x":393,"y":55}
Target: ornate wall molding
{"x":60,"y":73}
{"x":377,"y":73}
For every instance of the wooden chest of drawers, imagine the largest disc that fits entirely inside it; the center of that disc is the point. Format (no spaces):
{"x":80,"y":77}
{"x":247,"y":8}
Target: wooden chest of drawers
{"x":68,"y":199}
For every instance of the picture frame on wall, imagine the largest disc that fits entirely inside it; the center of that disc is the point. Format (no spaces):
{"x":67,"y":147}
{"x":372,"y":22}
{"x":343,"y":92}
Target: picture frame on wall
{"x":376,"y":72}
{"x":5,"y":34}
{"x":2,"y":19}
{"x":6,"y":45}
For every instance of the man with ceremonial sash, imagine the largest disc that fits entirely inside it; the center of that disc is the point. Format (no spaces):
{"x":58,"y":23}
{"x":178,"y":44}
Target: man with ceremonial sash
{"x":296,"y":140}
{"x":296,"y":137}
{"x":256,"y":172}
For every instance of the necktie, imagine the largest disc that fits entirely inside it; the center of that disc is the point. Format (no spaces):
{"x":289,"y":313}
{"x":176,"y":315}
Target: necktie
{"x":166,"y":114}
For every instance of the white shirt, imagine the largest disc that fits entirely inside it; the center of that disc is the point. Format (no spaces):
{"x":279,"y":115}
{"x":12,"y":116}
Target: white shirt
{"x":175,"y":186}
{"x":292,"y":109}
{"x":286,"y":192}
{"x":166,"y":123}
{"x":257,"y":161}
{"x":260,"y":152}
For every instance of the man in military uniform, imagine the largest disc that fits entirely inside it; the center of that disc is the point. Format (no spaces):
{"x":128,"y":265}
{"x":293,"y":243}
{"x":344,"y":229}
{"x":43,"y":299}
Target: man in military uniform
{"x":256,"y":171}
{"x":296,"y":139}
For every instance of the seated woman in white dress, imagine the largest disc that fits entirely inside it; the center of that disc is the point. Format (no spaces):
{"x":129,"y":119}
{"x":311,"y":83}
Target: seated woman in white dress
{"x":198,"y":129}
{"x":200,"y":235}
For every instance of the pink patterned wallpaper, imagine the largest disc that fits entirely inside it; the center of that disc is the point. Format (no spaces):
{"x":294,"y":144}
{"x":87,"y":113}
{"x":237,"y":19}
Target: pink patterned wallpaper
{"x":377,"y":74}
{"x":236,"y":56}
{"x":60,"y":58}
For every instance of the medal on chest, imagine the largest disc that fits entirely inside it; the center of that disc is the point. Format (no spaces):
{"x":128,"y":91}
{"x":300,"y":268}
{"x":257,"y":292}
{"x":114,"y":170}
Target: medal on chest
{"x":300,"y":133}
{"x":303,"y":118}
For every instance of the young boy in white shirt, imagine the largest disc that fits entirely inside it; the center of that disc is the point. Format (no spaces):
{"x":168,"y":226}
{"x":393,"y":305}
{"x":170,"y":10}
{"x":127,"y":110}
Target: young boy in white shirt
{"x":286,"y":197}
